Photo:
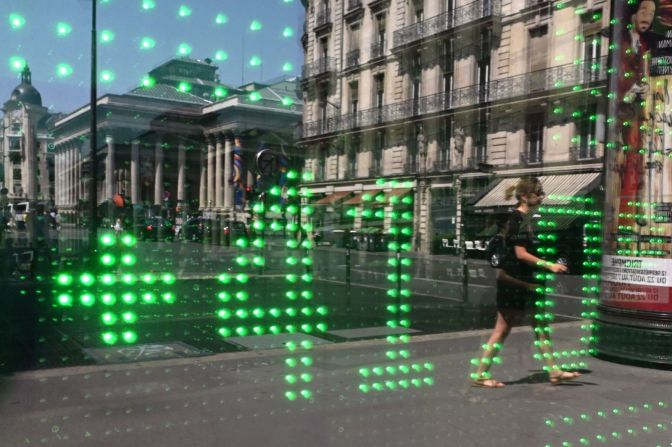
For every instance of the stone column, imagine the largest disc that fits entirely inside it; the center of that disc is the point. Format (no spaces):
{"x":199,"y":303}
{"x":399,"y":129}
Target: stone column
{"x":218,"y":172}
{"x":57,"y":177}
{"x":158,"y":173}
{"x":31,"y":158}
{"x":109,"y":168}
{"x":181,"y":163}
{"x":211,"y":172}
{"x":135,"y":172}
{"x":77,"y":175}
{"x":228,"y":187}
{"x":203,"y":185}
{"x":68,"y":170}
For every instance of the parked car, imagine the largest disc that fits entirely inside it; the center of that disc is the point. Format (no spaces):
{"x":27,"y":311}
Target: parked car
{"x":157,"y":228}
{"x":194,"y":229}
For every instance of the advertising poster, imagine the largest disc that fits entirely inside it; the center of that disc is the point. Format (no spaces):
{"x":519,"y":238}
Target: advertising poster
{"x":638,"y":226}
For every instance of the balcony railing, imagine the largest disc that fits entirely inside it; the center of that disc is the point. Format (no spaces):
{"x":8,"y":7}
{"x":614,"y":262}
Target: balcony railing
{"x":323,"y":17}
{"x":320,"y":66}
{"x":441,"y":165}
{"x":531,"y":158}
{"x":446,"y":21}
{"x":531,"y":3}
{"x":352,"y":58}
{"x":375,"y":171}
{"x":578,"y":153}
{"x":354,"y":4}
{"x":549,"y":79}
{"x":378,"y":49}
{"x":321,"y":127}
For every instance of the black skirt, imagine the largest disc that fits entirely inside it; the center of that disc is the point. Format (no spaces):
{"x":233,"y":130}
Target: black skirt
{"x":511,"y":297}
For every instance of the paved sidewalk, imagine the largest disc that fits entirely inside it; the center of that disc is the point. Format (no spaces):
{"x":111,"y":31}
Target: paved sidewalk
{"x":240,"y":399}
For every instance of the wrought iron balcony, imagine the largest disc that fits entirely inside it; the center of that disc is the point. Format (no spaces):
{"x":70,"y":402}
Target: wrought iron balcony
{"x":321,"y":127}
{"x":318,"y":67}
{"x":378,"y":49}
{"x":446,"y":21}
{"x":354,"y":4}
{"x":549,"y":79}
{"x":552,"y":78}
{"x":579,"y":153}
{"x":531,"y":3}
{"x":531,"y":158}
{"x":352,"y":58}
{"x":323,"y":17}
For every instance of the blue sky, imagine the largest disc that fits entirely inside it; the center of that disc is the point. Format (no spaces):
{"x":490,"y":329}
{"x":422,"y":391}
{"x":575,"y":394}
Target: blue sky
{"x":37,"y":42}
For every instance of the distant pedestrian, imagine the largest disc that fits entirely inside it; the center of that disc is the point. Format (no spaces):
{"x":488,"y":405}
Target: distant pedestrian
{"x":516,"y":287}
{"x":118,"y":228}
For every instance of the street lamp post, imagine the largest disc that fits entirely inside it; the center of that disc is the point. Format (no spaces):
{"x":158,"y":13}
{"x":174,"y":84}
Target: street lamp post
{"x":93,"y":140}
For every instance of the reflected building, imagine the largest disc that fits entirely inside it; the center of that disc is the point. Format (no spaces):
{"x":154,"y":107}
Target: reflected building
{"x":455,"y":96}
{"x":168,"y":145}
{"x":26,"y":144}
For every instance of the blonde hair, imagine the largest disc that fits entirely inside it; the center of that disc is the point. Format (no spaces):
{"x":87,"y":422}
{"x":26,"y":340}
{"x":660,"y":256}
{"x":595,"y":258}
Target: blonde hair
{"x":525,"y":186}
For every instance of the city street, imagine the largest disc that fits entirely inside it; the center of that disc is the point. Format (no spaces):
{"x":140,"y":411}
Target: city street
{"x":242,"y":399}
{"x":356,"y":301}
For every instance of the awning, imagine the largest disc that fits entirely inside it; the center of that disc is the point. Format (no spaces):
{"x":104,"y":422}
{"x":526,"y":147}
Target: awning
{"x":561,"y":223}
{"x":358,"y":198}
{"x":333,"y":198}
{"x":399,"y":192}
{"x":556,"y":187}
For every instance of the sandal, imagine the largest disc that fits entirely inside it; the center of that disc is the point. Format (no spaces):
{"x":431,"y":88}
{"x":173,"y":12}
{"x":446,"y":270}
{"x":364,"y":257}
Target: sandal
{"x":487,"y":383}
{"x":564,"y":376}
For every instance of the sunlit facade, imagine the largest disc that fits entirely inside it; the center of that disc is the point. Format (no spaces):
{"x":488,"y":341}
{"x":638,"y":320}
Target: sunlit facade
{"x":442,"y":92}
{"x":335,"y":223}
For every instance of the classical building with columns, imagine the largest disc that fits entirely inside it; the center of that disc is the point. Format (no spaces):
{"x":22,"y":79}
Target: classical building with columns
{"x":26,"y":144}
{"x":455,"y":96}
{"x":162,"y":146}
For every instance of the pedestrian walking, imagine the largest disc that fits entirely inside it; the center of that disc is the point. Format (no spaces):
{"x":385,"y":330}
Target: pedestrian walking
{"x":516,"y":287}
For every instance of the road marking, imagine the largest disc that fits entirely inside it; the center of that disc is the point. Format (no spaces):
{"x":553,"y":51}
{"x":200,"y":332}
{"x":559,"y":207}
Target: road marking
{"x":279,"y":352}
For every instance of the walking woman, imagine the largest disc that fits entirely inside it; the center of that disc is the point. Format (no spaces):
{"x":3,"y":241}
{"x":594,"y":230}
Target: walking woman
{"x":517,"y":297}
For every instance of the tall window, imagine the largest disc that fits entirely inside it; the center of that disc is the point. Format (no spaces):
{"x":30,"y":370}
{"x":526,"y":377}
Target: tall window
{"x":322,"y":108}
{"x":324,"y":49}
{"x":416,"y":75}
{"x":418,"y":12}
{"x":379,"y":99}
{"x":481,"y":138}
{"x":446,"y":130}
{"x":380,"y":29}
{"x":352,"y":157}
{"x":354,"y":97}
{"x":449,"y":8}
{"x":588,"y":133}
{"x":535,"y":138}
{"x":537,"y":53}
{"x":322,"y":164}
{"x":591,"y":55}
{"x":448,"y":65}
{"x":354,"y":36}
{"x":378,"y":146}
{"x":483,"y":64}
{"x":354,"y":102}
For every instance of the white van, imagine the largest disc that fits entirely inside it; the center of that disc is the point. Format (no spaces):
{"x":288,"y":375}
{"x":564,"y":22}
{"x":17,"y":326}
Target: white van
{"x":20,"y":214}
